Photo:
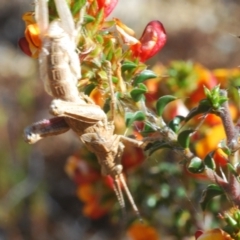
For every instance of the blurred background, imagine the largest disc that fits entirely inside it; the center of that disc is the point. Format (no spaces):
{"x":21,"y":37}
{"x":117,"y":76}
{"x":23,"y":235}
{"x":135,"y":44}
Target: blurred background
{"x":37,"y":198}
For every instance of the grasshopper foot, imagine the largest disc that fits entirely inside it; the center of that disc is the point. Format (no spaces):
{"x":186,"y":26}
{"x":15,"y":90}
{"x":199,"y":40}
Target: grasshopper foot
{"x":29,"y":136}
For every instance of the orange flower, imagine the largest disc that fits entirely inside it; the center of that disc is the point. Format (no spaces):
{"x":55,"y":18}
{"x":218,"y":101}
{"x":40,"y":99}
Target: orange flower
{"x":141,"y":231}
{"x":89,"y":180}
{"x":31,"y":43}
{"x":210,"y":142}
{"x":92,"y":206}
{"x":212,"y":138}
{"x":224,"y":75}
{"x":97,"y":96}
{"x":213,"y":234}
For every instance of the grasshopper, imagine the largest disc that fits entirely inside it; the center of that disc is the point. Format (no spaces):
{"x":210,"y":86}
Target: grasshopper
{"x":59,"y":67}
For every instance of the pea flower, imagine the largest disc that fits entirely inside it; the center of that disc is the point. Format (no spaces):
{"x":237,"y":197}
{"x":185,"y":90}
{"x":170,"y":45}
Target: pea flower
{"x":31,"y":43}
{"x":152,"y":40}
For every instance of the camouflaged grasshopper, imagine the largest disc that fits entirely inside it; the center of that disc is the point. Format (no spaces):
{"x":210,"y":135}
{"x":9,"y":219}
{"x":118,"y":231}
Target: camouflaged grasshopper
{"x":59,"y":68}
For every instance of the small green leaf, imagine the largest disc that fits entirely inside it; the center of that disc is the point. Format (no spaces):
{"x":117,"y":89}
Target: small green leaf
{"x":148,"y":128}
{"x":231,"y":221}
{"x":175,"y":123}
{"x":88,"y":18}
{"x":88,"y":89}
{"x":143,"y":76}
{"x":232,"y":169}
{"x":209,"y":161}
{"x":210,"y":192}
{"x":114,"y":79}
{"x":132,"y":117}
{"x":99,"y":39}
{"x":184,"y":138}
{"x":196,"y":165}
{"x":162,"y":102}
{"x":127,"y":65}
{"x":151,"y":148}
{"x":106,"y":106}
{"x":222,"y":100}
{"x":98,"y":20}
{"x":207,"y":92}
{"x":137,"y":93}
{"x":77,"y":6}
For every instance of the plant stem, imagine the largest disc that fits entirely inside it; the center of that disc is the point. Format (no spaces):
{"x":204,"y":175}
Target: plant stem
{"x":228,"y":123}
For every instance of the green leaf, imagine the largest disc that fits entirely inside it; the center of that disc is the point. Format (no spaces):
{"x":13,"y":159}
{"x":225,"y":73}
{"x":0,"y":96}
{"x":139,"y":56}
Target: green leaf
{"x":99,"y":39}
{"x":222,"y":100}
{"x":148,"y":128}
{"x":88,"y":18}
{"x":132,"y":117}
{"x":175,"y":123}
{"x":184,"y":138}
{"x":207,"y":92}
{"x":88,"y":89}
{"x":209,"y":161}
{"x":143,"y":76}
{"x":232,"y":170}
{"x":162,"y":102}
{"x":210,"y":192}
{"x":98,"y":20}
{"x":150,"y":149}
{"x":77,"y":6}
{"x":137,"y":93}
{"x":114,"y":79}
{"x":127,"y":65}
{"x":106,"y":106}
{"x":196,"y":165}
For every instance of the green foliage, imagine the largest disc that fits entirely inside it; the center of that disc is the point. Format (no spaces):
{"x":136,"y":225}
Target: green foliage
{"x":162,"y":102}
{"x":210,"y":192}
{"x":184,"y":138}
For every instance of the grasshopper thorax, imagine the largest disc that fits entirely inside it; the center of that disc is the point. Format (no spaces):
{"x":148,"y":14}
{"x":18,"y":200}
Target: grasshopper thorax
{"x":55,"y":30}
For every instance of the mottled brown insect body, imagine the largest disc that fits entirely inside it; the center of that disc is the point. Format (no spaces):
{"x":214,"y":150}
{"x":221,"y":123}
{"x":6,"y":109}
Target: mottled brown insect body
{"x":59,"y":68}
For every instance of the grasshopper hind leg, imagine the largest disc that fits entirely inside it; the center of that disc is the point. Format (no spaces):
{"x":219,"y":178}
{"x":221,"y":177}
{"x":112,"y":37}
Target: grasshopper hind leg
{"x":118,"y":191}
{"x":129,"y":195}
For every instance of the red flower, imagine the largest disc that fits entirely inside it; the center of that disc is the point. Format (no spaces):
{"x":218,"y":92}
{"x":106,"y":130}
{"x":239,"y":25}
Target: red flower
{"x":132,"y":157}
{"x":108,"y":6}
{"x":80,"y":171}
{"x":152,"y":40}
